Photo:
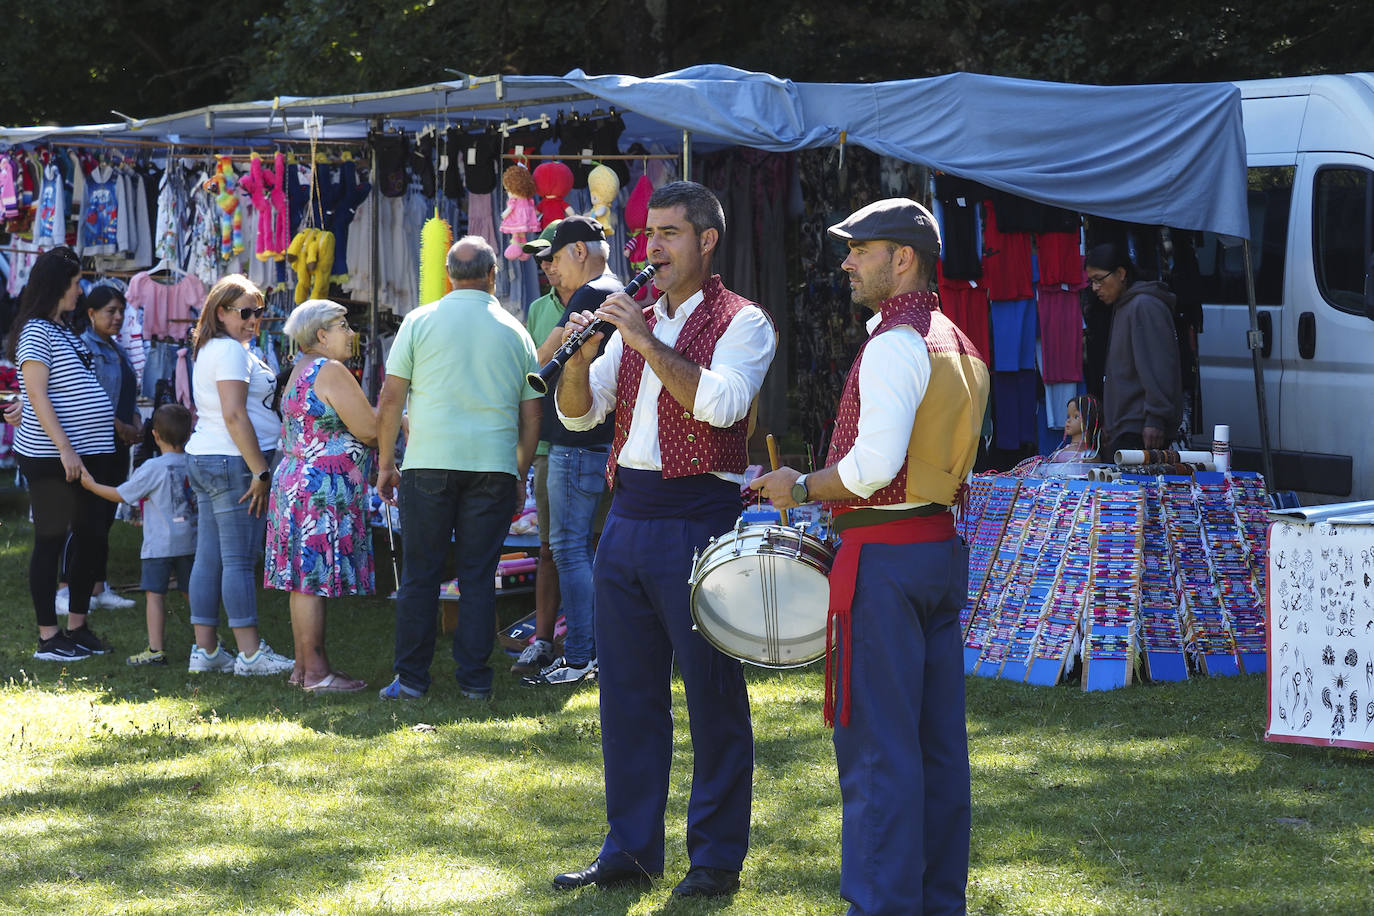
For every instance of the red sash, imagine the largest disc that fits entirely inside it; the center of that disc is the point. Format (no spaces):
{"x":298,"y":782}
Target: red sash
{"x":843,"y":576}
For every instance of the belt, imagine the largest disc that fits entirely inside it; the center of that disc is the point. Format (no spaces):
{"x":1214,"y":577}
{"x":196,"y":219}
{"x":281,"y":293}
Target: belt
{"x":867,"y":515}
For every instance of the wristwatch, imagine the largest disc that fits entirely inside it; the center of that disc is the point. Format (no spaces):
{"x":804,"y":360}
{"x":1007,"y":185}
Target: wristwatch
{"x":799,"y":494}
{"x":265,"y":476}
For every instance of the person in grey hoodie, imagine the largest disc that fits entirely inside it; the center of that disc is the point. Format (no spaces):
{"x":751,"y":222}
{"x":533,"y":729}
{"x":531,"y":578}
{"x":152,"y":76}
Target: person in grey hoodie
{"x":1142,"y":401}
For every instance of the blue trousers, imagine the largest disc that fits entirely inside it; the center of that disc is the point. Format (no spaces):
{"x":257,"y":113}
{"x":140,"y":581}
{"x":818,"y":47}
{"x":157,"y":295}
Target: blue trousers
{"x":903,"y":758}
{"x":229,"y":541}
{"x":643,"y":622}
{"x":577,"y":480}
{"x":470,"y":510}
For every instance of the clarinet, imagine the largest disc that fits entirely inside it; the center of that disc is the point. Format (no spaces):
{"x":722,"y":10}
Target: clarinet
{"x":548,"y":374}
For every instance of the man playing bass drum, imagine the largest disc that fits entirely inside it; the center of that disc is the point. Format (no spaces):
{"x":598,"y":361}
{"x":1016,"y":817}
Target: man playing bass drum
{"x":905,"y":438}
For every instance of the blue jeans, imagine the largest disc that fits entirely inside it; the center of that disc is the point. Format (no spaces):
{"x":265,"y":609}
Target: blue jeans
{"x":229,"y":541}
{"x":577,"y":478}
{"x":473,"y":509}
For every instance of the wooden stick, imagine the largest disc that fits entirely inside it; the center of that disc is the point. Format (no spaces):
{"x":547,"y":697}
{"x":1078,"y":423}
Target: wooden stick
{"x":773,"y":460}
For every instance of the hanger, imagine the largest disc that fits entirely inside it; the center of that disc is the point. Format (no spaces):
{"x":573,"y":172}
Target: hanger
{"x":168,"y":266}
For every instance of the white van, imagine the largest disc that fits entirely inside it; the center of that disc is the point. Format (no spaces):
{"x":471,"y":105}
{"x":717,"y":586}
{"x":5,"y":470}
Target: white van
{"x":1310,"y":144}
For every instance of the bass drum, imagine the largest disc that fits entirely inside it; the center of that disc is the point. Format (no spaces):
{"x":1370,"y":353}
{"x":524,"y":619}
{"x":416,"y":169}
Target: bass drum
{"x":760,"y":593}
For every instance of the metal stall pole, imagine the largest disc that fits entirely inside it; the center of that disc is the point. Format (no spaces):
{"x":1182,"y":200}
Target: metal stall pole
{"x":1255,"y":340}
{"x":686,"y":156}
{"x":373,"y":344}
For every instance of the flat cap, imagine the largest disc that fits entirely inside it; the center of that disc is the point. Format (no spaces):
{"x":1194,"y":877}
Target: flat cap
{"x":896,"y":219}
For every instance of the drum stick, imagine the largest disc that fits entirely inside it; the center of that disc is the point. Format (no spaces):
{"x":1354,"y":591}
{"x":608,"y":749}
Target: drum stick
{"x":773,"y":460}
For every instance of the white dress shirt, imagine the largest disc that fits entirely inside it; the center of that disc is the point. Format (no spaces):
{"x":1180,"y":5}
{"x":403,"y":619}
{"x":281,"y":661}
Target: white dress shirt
{"x":724,"y":393}
{"x":893,"y":376}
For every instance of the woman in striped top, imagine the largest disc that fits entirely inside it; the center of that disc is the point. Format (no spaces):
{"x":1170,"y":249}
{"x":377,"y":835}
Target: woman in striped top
{"x":67,"y":425}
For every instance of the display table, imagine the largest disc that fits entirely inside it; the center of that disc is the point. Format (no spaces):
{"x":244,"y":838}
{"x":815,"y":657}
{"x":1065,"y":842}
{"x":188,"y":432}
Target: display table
{"x":1155,"y":576}
{"x":1321,"y":642}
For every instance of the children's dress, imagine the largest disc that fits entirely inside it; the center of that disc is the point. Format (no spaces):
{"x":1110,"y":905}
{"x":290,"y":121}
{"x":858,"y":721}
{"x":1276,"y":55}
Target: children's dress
{"x":318,"y":542}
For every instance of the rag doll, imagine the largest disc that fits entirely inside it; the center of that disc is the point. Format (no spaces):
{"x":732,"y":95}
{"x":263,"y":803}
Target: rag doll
{"x":604,"y":185}
{"x":520,"y":215}
{"x":636,"y":218}
{"x":553,"y":181}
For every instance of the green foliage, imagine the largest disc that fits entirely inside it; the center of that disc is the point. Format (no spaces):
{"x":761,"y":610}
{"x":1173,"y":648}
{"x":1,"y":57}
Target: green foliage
{"x":72,"y":62}
{"x":155,"y":791}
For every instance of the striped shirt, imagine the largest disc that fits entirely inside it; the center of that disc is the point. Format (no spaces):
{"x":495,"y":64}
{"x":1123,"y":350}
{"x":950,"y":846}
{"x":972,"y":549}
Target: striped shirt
{"x":81,"y":405}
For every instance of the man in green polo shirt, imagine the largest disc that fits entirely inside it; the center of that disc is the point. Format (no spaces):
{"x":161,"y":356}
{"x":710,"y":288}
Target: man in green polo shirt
{"x":460,"y":363}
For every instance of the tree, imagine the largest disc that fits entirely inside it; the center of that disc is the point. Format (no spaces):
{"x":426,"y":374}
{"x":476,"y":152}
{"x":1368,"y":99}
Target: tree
{"x":72,"y":63}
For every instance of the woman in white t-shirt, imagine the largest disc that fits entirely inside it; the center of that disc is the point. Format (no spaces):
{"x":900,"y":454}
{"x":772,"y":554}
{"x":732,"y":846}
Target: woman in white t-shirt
{"x":230,"y":468}
{"x":67,"y":425}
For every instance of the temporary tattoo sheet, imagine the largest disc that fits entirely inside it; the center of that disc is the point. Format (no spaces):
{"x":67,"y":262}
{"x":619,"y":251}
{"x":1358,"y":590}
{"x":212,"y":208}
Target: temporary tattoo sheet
{"x":1321,"y":634}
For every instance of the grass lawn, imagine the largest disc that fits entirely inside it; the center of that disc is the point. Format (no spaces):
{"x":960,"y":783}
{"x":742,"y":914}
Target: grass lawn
{"x":142,"y":790}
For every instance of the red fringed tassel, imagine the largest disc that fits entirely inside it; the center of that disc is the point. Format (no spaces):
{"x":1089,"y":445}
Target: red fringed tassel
{"x":837,"y":628}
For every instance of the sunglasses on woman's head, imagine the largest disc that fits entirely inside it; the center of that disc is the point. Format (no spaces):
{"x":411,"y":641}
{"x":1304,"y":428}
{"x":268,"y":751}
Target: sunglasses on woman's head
{"x":247,"y":312}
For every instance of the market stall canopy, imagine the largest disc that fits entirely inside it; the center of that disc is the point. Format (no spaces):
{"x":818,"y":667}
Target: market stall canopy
{"x":1170,"y":155}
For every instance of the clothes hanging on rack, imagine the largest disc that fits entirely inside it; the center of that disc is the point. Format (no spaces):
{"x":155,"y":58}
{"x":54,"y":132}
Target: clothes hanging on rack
{"x":50,"y":224}
{"x":166,"y":305}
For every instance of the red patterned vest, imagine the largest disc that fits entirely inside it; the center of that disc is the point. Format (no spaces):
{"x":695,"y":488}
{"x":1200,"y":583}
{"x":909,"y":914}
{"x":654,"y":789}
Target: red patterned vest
{"x":949,"y":417}
{"x":686,"y":445}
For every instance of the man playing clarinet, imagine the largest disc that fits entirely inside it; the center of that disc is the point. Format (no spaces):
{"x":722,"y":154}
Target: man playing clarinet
{"x":905,"y":438}
{"x":681,"y":381}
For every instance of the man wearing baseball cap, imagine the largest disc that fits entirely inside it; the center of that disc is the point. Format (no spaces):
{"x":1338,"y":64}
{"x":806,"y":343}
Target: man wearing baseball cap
{"x":577,"y":459}
{"x":905,"y":438}
{"x":542,"y":321}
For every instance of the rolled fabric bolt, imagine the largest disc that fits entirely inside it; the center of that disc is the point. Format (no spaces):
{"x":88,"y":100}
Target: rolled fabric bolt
{"x":1221,"y":447}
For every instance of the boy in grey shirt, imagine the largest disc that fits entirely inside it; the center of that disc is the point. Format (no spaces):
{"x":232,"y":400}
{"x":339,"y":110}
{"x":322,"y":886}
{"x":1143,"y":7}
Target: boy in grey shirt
{"x":169,"y":520}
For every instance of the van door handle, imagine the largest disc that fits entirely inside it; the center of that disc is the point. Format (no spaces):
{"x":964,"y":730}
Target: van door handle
{"x":1266,"y":329}
{"x":1307,"y":335}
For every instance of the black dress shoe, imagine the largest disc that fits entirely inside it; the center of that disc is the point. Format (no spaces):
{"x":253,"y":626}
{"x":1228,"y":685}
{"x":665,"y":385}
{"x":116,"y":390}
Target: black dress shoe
{"x":702,"y":881}
{"x":603,"y":876}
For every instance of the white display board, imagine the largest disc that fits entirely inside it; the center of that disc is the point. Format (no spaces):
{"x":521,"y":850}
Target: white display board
{"x":1321,"y":633}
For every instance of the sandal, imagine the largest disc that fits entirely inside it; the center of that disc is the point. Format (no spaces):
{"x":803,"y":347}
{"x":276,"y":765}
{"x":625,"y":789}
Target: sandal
{"x":335,"y":682}
{"x":297,"y":678}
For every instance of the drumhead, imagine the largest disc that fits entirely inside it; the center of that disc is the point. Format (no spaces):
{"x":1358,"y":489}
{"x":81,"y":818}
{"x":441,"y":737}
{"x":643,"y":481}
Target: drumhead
{"x":763,"y":608}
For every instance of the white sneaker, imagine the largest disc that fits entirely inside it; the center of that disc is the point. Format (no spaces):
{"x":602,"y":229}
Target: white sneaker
{"x":111,"y":600}
{"x":219,"y":660}
{"x":537,"y":656}
{"x":560,"y":672}
{"x":263,"y":662}
{"x":62,"y":601}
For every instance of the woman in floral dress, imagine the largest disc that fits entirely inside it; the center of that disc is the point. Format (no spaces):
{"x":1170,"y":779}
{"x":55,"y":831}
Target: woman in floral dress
{"x":318,"y":542}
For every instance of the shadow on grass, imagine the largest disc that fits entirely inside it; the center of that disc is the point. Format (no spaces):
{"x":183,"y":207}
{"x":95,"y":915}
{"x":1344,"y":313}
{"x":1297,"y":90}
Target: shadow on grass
{"x":252,"y":802}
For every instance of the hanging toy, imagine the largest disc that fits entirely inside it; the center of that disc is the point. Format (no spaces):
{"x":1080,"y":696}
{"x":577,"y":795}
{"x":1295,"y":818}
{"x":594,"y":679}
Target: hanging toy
{"x":297,"y":256}
{"x":322,"y":264}
{"x":636,"y":218}
{"x":553,"y":181}
{"x":604,"y":185}
{"x":520,"y":215}
{"x":435,"y":239}
{"x":230,"y":217}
